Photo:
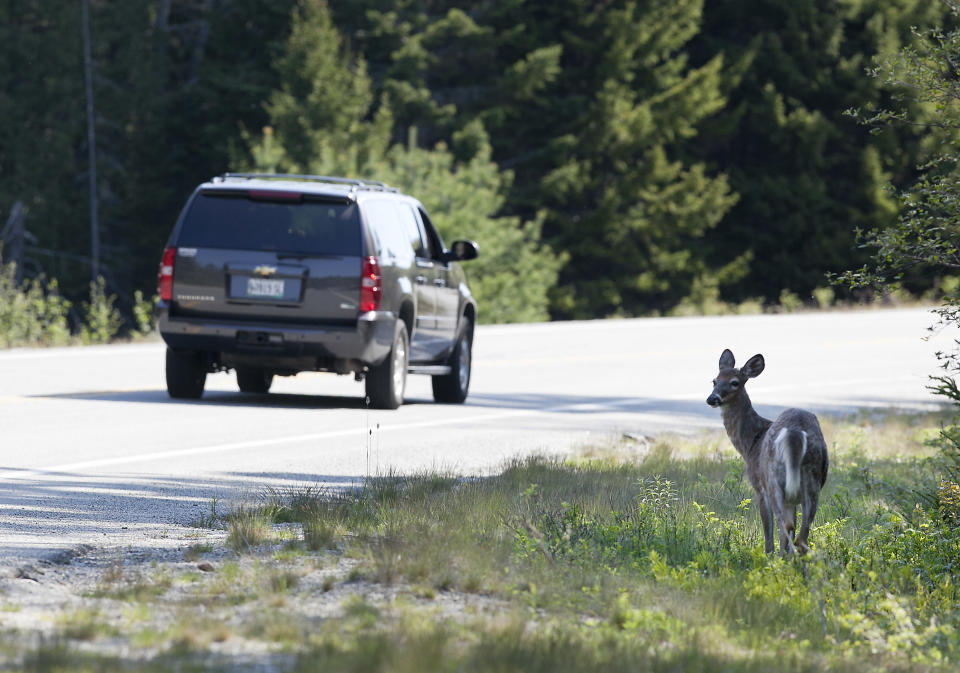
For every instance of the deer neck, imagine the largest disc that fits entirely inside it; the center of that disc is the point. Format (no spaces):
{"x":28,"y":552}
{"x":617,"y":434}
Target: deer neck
{"x":743,"y":424}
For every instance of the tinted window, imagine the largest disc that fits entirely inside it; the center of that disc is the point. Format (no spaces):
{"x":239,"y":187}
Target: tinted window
{"x":311,"y":227}
{"x":433,"y":238}
{"x":388,"y":229}
{"x":411,"y":229}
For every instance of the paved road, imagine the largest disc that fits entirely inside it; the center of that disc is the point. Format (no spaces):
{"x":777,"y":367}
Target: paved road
{"x":93,"y":451}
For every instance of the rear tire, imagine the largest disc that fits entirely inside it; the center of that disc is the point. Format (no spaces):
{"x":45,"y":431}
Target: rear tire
{"x":387,"y":381}
{"x":254,"y":380}
{"x":453,"y":388}
{"x":186,"y":374}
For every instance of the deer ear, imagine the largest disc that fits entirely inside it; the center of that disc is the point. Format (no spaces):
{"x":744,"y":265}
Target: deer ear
{"x":753,"y":367}
{"x":726,"y":359}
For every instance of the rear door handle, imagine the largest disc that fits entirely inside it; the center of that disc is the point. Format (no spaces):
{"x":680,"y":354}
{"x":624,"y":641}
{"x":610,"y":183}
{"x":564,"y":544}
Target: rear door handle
{"x":440,"y":282}
{"x":420,"y":279}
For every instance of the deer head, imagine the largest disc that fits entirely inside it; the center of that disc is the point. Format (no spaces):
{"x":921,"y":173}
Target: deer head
{"x":730,"y":381}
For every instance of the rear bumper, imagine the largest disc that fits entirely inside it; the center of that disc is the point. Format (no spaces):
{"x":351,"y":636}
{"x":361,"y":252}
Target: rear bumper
{"x":367,"y":342}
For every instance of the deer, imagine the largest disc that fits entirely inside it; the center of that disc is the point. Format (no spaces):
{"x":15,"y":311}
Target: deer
{"x":786,"y":459}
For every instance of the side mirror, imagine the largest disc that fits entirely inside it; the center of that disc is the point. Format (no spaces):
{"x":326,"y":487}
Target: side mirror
{"x":462,"y":251}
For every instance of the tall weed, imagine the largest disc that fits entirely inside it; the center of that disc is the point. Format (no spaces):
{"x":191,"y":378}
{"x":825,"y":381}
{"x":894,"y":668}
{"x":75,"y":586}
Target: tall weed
{"x":102,"y":320}
{"x":32,"y":313}
{"x":143,"y":313}
{"x":247,"y":528}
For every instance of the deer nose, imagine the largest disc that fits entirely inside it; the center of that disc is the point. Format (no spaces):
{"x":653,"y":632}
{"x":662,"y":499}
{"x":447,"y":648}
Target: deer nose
{"x":714,"y":400}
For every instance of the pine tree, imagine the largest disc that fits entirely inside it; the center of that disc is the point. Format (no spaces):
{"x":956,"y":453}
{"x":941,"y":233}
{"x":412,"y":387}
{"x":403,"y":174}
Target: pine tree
{"x":175,"y":81}
{"x":173,"y":102}
{"x":587,"y":105}
{"x":511,"y":277}
{"x":925,"y":239}
{"x":807,"y":176}
{"x":324,"y":94}
{"x":324,"y":120}
{"x":43,"y":134}
{"x":627,"y":208}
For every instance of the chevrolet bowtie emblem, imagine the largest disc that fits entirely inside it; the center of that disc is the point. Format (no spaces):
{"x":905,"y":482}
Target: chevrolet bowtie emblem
{"x":264,"y":270}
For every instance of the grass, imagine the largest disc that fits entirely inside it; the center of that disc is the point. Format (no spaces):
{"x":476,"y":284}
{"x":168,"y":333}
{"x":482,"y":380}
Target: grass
{"x":248,"y":528}
{"x":197,"y":551}
{"x":85,"y":624}
{"x":616,"y":559}
{"x":119,"y":584}
{"x":211,"y":520}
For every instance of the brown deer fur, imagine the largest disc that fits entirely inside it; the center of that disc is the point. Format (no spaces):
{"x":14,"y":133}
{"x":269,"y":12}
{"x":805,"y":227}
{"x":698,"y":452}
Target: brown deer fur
{"x":786,"y":459}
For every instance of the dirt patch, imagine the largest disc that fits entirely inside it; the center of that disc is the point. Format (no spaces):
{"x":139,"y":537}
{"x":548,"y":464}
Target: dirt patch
{"x":200,"y":597}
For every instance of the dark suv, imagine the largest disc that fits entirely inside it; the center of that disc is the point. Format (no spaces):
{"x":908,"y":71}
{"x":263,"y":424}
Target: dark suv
{"x":272,"y":275}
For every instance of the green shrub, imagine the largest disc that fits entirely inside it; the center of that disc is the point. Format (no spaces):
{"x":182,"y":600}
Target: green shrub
{"x":790,"y":302}
{"x":143,"y":313}
{"x":824,"y":296}
{"x":32,"y":313}
{"x":102,"y":318}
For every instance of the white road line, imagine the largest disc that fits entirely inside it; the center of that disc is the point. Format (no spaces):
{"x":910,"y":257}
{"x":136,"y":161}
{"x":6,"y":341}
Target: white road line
{"x":51,"y":471}
{"x":612,"y":405}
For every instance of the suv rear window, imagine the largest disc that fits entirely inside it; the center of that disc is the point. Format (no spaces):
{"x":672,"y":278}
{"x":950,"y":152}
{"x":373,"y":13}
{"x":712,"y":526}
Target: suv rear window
{"x":237,"y":222}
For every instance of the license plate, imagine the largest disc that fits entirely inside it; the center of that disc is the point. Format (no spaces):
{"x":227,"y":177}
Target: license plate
{"x":264,"y":287}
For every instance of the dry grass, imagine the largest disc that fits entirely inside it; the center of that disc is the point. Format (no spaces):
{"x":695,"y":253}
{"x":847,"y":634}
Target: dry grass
{"x":634,"y":556}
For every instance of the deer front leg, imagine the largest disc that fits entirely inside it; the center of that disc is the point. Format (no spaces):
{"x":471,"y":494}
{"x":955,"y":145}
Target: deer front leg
{"x":766,"y":518}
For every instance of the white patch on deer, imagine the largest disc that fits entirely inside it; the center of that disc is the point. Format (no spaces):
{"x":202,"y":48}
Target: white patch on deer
{"x":791,"y":486}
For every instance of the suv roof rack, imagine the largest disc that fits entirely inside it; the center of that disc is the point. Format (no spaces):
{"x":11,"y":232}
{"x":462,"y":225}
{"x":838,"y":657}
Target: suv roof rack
{"x":373,"y":185}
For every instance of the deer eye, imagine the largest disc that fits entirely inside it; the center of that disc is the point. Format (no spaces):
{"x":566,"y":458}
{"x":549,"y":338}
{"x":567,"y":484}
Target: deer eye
{"x":734,"y":384}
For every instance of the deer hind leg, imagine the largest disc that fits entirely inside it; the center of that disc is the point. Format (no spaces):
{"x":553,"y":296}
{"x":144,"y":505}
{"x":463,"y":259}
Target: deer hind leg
{"x":787,"y":520}
{"x":810,"y":499}
{"x":788,"y":528}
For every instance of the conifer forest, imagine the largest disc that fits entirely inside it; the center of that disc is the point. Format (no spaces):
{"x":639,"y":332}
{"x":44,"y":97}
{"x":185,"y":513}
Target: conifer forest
{"x":611,"y":158}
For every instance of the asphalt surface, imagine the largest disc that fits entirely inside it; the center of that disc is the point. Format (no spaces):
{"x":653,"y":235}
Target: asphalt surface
{"x":95,"y":453}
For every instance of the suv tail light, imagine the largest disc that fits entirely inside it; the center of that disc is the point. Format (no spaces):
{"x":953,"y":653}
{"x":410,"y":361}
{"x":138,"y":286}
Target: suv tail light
{"x":165,"y":277}
{"x":371,"y":285}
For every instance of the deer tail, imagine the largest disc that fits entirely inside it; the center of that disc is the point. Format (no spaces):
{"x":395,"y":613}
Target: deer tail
{"x":791,"y":446}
